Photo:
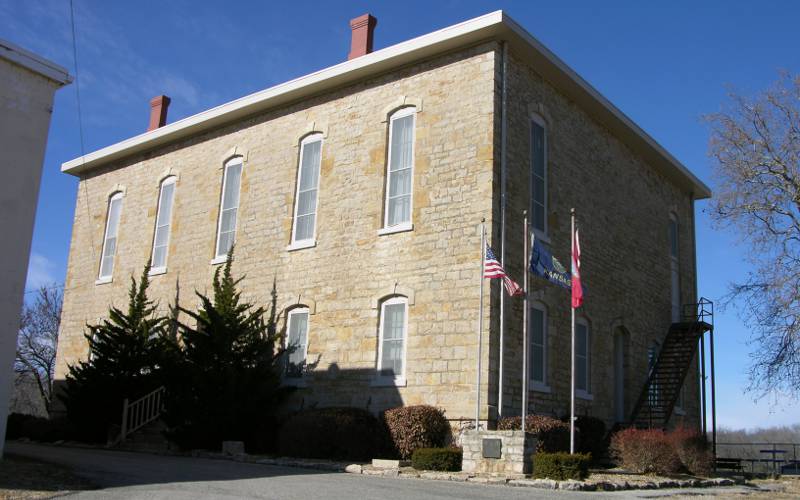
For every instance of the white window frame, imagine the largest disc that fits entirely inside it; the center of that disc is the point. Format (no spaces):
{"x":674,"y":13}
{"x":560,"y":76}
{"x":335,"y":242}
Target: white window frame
{"x":308,"y":242}
{"x":585,"y":394}
{"x":396,"y":380}
{"x":539,"y":120}
{"x":101,"y":278}
{"x":171,"y":180}
{"x":539,"y":385}
{"x":408,"y":225}
{"x":297,"y":310}
{"x":236,"y":160}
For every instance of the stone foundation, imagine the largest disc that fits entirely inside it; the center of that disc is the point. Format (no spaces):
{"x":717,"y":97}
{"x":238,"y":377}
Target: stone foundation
{"x":497,"y":451}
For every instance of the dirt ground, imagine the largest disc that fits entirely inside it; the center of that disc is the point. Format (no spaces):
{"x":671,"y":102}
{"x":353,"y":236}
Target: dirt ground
{"x":24,"y":479}
{"x":786,"y":488}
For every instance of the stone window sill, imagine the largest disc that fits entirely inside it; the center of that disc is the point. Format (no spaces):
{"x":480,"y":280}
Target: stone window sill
{"x":583,"y":395}
{"x":299,"y":245}
{"x":155,"y":271}
{"x":103,"y":281}
{"x":399,"y":228}
{"x":539,"y":387}
{"x":220,"y":259}
{"x":295,"y":381}
{"x":388,"y":382}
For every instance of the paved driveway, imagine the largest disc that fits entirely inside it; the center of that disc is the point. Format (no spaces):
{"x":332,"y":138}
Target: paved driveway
{"x":138,"y":475}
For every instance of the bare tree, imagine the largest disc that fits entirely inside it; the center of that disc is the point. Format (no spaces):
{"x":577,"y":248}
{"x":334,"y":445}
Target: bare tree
{"x":37,"y":341}
{"x":755,"y":143}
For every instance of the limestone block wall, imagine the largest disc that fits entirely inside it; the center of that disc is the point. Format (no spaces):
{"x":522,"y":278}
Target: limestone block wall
{"x":516,"y":452}
{"x":343,"y":278}
{"x":623,"y":208}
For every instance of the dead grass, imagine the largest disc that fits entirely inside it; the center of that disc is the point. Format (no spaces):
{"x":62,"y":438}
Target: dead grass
{"x":22,"y":478}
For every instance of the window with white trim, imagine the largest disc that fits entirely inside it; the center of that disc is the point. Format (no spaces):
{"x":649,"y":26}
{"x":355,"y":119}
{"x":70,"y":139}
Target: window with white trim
{"x":297,"y":341}
{"x":110,"y":238}
{"x":163,"y":224}
{"x":582,"y":358}
{"x":229,"y":206}
{"x":674,"y":269}
{"x":538,"y":346}
{"x":305,"y":206}
{"x":392,"y":338}
{"x":399,"y":176}
{"x":538,"y":177}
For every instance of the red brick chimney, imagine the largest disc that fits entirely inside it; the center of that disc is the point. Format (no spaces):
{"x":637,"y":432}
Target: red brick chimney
{"x":361,"y":42}
{"x":158,"y":112}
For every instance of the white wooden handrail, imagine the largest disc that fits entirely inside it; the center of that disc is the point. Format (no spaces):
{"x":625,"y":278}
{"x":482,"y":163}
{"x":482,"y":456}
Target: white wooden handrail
{"x":141,"y":412}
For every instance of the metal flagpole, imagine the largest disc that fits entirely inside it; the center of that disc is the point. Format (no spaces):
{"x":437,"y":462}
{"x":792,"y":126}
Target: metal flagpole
{"x":480,"y":328}
{"x":525,"y":323}
{"x":572,"y":309}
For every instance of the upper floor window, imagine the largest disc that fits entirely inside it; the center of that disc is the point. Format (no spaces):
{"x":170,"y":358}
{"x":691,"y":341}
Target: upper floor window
{"x":583,"y":355}
{"x":229,"y":206}
{"x":399,"y":178}
{"x":392,"y":339}
{"x":538,"y":187}
{"x":305,"y":206}
{"x":538,"y":346}
{"x":163,"y":222}
{"x":110,"y":238}
{"x":297,"y":341}
{"x":674,"y":270}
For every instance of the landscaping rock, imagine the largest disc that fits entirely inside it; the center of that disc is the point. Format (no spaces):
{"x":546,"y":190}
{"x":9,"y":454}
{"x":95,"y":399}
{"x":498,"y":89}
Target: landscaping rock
{"x":232,"y":448}
{"x":353,"y":469}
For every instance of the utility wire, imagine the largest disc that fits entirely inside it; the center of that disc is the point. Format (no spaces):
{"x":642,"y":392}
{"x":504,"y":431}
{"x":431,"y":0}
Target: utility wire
{"x":85,"y":181}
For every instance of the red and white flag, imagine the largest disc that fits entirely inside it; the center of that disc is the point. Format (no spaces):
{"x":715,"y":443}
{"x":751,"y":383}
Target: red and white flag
{"x":577,"y":289}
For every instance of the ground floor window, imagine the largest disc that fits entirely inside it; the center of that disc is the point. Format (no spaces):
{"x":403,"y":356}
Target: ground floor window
{"x":297,"y":341}
{"x":392,"y":338}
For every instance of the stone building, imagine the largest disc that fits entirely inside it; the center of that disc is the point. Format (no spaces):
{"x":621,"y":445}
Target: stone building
{"x":357,"y":192}
{"x":28,"y":83}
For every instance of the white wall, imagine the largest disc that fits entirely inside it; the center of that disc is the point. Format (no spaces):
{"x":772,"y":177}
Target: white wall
{"x":26,"y":100}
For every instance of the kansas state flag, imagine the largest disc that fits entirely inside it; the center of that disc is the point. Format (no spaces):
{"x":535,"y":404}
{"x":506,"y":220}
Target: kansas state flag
{"x":545,"y":265}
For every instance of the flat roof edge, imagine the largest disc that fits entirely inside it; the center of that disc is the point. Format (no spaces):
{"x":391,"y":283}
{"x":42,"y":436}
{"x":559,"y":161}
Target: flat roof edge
{"x":34,"y":62}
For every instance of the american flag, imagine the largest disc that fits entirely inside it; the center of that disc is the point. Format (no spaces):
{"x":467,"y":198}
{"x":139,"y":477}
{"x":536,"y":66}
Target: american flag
{"x":493,"y":269}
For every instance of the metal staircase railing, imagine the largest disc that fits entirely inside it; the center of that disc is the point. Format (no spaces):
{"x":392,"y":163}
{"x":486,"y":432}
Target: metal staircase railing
{"x":665,"y":379}
{"x":141,"y":412}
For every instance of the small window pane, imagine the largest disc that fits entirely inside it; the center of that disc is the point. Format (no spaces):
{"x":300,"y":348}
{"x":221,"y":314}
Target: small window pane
{"x":538,"y":175}
{"x":673,"y":238}
{"x":400,"y":181}
{"x":296,"y":342}
{"x":537,"y":345}
{"x":393,"y":339}
{"x":231,"y":195}
{"x":110,"y":240}
{"x":307,"y":186}
{"x":305,"y":227}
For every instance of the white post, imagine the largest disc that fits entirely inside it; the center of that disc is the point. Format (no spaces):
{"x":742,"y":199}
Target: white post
{"x":525,"y":321}
{"x":572,"y":357}
{"x":480,"y":328}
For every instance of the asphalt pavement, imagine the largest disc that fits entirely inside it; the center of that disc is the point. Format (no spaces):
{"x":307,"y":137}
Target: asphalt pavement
{"x":127,"y":475}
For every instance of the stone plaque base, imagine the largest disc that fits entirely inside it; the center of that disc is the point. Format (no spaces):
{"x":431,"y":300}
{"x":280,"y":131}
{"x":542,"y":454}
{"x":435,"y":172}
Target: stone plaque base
{"x":514,"y":454}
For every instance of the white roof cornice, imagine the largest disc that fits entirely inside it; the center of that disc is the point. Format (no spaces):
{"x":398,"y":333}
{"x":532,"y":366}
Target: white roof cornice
{"x":496,"y":25}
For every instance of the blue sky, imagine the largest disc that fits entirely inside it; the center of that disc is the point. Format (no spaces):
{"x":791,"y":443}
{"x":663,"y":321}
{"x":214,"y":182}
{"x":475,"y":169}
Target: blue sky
{"x":664,"y":65}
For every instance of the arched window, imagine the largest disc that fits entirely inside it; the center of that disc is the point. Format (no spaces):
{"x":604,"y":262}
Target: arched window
{"x":537,"y":366}
{"x":297,"y":341}
{"x":674,"y":268}
{"x":538,"y":175}
{"x":583,"y":358}
{"x":305,"y":205}
{"x":163,"y":223}
{"x":400,"y":170}
{"x":392,"y":337}
{"x":110,"y":238}
{"x":229,"y":207}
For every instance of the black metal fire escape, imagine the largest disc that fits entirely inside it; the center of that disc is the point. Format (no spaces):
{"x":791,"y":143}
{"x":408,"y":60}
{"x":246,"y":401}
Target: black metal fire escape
{"x":657,"y":400}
